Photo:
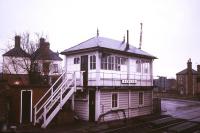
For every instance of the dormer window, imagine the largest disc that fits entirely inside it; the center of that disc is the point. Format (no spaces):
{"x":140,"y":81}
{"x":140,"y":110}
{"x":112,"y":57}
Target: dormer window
{"x":76,"y":60}
{"x":92,"y":62}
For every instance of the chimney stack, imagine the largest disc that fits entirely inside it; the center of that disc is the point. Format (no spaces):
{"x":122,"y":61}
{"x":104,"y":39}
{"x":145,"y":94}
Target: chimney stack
{"x":127,"y":41}
{"x":189,"y":65}
{"x":17,"y":41}
{"x":42,"y":41}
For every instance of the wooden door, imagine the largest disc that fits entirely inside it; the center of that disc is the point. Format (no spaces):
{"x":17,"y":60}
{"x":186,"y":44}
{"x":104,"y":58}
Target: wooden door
{"x":91,"y":105}
{"x":26,"y":106}
{"x":84,"y":67}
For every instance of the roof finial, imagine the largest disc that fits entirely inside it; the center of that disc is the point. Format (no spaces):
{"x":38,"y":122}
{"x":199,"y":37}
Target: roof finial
{"x":97,"y":32}
{"x":140,"y":44}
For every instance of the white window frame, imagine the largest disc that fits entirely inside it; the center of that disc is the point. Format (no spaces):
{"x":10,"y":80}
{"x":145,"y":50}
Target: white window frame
{"x":76,"y":60}
{"x":116,"y":100}
{"x":93,"y":62}
{"x":113,"y":62}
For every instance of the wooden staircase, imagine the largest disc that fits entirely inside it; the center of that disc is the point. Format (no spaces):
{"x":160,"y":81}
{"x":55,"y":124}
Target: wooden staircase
{"x":54,"y":99}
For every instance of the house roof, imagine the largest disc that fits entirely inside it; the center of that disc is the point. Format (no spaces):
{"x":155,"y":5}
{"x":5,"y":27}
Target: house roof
{"x":107,"y":43}
{"x":16,"y":52}
{"x":44,"y":53}
{"x":183,"y":72}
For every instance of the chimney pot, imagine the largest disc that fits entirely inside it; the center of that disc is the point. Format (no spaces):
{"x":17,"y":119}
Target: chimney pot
{"x":17,"y":41}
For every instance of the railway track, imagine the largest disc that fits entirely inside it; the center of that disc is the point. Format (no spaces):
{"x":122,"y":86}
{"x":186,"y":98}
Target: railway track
{"x":160,"y":125}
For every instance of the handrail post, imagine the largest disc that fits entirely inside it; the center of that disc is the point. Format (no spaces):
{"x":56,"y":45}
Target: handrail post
{"x":81,"y":78}
{"x":61,"y":91}
{"x":44,"y":114}
{"x":74,"y":76}
{"x":35,"y":115}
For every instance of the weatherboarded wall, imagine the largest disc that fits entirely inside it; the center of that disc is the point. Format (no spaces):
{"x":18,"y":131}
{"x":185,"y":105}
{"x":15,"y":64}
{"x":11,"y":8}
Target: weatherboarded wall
{"x":128,"y":101}
{"x":81,"y":108}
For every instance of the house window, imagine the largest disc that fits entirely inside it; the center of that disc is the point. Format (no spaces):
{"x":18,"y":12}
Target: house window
{"x":55,"y":68}
{"x":180,"y":79}
{"x":138,"y":66}
{"x":93,"y":62}
{"x":46,"y":67}
{"x":76,"y":60}
{"x":141,"y":98}
{"x":114,"y":100}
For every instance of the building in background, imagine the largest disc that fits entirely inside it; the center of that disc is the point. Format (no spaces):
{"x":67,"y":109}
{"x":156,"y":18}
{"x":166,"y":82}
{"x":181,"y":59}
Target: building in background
{"x":163,"y":84}
{"x":27,"y":77}
{"x":188,"y":80}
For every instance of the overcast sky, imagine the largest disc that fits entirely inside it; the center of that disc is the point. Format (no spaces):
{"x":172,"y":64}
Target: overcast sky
{"x":171,"y":28}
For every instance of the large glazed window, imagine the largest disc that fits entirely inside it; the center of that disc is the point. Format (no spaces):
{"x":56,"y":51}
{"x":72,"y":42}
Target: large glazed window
{"x":113,"y":63}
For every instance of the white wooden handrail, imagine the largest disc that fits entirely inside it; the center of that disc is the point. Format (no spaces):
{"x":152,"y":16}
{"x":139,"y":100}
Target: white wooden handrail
{"x":45,"y":108}
{"x":49,"y":90}
{"x":51,"y":97}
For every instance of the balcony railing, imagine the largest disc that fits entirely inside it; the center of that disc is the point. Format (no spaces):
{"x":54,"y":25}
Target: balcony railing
{"x":117,"y":79}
